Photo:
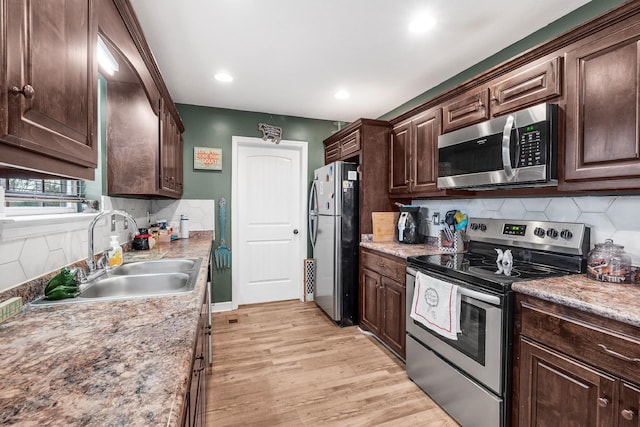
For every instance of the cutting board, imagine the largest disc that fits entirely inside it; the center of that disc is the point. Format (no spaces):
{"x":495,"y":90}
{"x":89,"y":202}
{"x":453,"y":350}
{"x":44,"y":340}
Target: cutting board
{"x":384,"y":226}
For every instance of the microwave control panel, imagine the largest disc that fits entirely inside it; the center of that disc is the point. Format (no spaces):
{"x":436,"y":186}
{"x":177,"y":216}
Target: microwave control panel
{"x":531,"y":146}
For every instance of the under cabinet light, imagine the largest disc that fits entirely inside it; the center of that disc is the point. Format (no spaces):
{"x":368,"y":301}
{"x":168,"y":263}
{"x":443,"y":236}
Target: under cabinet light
{"x":106,"y":58}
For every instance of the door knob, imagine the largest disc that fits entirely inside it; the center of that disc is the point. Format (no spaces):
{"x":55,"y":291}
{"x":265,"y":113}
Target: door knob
{"x":295,"y":231}
{"x":28,"y":91}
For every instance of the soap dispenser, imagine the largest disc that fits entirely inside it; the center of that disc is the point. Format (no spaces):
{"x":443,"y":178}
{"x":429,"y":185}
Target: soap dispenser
{"x":114,"y":254}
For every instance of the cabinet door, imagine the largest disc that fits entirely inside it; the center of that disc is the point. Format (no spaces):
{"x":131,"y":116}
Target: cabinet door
{"x":424,"y":165}
{"x":332,"y":152}
{"x":524,"y":88}
{"x":370,"y":300}
{"x":350,"y":144}
{"x":628,"y":410}
{"x":558,"y":391}
{"x":466,"y":110}
{"x":392,"y":327}
{"x":51,"y":81}
{"x":602,"y":112}
{"x":400,"y":159}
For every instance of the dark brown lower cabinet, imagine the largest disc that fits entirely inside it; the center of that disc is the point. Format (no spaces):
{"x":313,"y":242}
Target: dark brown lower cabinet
{"x":382,"y":298}
{"x":561,"y":391}
{"x":194,"y":411}
{"x":574,"y":368}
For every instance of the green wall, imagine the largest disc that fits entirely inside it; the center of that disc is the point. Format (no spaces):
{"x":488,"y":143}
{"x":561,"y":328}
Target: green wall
{"x":214,"y":127}
{"x":567,"y":22}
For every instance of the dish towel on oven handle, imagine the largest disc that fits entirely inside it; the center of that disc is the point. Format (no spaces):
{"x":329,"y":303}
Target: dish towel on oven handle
{"x":436,"y":305}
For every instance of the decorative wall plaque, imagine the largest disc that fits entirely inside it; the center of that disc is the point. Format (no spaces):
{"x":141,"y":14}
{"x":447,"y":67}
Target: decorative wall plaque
{"x":207,"y":158}
{"x":270,"y":133}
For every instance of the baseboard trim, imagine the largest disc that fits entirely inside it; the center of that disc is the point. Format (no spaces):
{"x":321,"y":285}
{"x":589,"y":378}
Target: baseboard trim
{"x":221,"y":306}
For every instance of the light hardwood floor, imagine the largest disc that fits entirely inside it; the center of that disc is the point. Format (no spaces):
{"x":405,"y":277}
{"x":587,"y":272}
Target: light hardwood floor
{"x":287,"y":364}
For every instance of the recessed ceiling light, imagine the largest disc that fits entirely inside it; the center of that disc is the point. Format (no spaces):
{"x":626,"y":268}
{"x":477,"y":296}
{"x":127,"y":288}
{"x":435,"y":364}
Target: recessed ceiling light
{"x":223,"y":77}
{"x":342,"y":94}
{"x":422,"y":23}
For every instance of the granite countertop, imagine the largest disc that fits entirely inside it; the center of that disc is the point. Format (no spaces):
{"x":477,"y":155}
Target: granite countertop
{"x":619,"y":302}
{"x":402,"y":250}
{"x":108,"y":363}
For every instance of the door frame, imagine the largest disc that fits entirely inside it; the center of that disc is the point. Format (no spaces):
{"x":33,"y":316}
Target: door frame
{"x":300,"y":146}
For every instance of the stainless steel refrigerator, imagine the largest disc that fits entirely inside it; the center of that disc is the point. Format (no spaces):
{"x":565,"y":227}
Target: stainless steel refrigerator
{"x":334,"y":234}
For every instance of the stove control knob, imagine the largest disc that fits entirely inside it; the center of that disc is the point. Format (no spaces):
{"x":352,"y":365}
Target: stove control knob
{"x":553,"y":233}
{"x":539,"y":232}
{"x":474,"y":226}
{"x":483,"y":227}
{"x":566,"y":234}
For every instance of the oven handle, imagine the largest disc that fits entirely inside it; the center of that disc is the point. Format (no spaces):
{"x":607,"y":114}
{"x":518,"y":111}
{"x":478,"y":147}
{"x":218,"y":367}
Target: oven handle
{"x":489,"y":299}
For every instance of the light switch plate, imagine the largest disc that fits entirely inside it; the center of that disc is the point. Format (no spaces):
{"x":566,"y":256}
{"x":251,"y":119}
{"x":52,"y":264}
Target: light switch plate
{"x":435,"y":218}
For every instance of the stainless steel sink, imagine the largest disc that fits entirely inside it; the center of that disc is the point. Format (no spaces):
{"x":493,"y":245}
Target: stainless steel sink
{"x":138,"y":285}
{"x":138,"y":280}
{"x":155,"y":267}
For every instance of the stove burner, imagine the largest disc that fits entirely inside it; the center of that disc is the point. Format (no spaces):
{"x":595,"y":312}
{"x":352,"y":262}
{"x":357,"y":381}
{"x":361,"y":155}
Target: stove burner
{"x":492,"y":270}
{"x":475,"y":257}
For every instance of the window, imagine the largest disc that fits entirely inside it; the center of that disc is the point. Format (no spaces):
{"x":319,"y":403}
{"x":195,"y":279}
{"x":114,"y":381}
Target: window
{"x":42,"y":196}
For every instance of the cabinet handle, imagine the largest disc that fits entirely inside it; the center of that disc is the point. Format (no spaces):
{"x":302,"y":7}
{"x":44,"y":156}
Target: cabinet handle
{"x":494,"y":98}
{"x":627,"y":414}
{"x":603,"y":402}
{"x":27,"y":90}
{"x":618,"y":355}
{"x":381,"y":265}
{"x":480,"y":104}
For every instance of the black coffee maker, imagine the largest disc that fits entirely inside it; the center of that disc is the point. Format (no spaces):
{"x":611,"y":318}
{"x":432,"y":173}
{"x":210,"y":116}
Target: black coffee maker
{"x":412,"y":224}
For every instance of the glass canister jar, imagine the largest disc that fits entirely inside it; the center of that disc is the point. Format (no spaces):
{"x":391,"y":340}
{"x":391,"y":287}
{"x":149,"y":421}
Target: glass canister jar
{"x":609,"y":262}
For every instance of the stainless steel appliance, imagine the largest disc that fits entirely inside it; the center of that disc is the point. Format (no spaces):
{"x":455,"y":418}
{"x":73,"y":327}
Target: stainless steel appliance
{"x":334,"y":233}
{"x":517,"y":149}
{"x":470,"y":377}
{"x":412,"y":224}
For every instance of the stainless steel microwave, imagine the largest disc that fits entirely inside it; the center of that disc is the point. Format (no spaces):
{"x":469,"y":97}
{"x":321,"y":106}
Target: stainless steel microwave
{"x":519,"y":149}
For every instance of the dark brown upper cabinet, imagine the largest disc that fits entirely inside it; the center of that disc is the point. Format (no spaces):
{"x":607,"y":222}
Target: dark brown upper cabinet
{"x":413,"y":155}
{"x":346,"y":148}
{"x":466,"y":109}
{"x":48,"y":100}
{"x":526,"y":86}
{"x":144,"y":142}
{"x":603,"y":111}
{"x":365,"y":142}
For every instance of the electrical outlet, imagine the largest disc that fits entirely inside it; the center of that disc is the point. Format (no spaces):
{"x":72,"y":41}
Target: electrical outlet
{"x":435,"y":218}
{"x":113,"y":223}
{"x":126,"y":223}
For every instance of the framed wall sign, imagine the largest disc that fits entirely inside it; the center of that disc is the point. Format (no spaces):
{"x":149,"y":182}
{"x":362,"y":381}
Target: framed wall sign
{"x":207,"y":158}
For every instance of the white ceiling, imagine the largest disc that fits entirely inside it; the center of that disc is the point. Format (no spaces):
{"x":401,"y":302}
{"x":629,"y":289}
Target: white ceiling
{"x":290,"y":56}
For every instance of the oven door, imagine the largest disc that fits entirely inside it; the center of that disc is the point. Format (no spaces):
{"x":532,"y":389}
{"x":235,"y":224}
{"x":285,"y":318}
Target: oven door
{"x":478,"y":351}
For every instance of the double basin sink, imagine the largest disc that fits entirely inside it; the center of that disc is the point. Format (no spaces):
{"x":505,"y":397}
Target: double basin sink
{"x":138,"y":280}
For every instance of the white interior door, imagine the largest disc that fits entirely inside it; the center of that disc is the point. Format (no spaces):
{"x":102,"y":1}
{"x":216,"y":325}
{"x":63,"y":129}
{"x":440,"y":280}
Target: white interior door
{"x":269,"y":220}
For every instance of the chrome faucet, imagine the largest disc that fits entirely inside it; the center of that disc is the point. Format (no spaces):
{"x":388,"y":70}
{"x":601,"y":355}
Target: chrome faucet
{"x":91,"y":264}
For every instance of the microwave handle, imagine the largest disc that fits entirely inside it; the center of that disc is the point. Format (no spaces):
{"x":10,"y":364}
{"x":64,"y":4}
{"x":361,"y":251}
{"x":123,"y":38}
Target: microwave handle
{"x":506,"y":147}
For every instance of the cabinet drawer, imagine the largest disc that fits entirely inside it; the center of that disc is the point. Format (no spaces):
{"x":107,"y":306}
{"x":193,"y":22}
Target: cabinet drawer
{"x":350,"y":144}
{"x":392,"y":267}
{"x":595,"y":344}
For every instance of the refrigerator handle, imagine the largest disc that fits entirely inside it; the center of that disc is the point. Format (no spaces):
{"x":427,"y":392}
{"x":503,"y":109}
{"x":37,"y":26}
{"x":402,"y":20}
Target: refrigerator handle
{"x":313,"y":214}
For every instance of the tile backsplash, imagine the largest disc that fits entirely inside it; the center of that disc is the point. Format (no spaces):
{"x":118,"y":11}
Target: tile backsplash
{"x":610,"y":217}
{"x":29,"y":249}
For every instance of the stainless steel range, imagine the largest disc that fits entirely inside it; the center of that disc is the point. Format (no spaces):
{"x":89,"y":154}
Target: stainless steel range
{"x":471,"y":377}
